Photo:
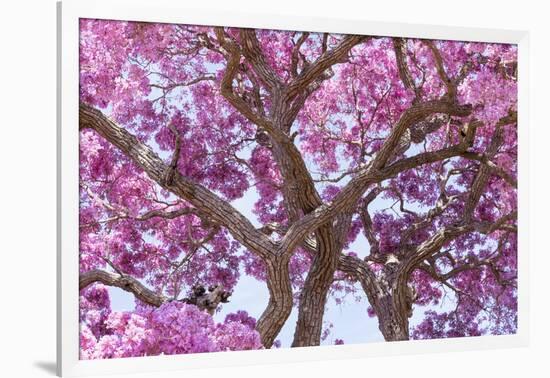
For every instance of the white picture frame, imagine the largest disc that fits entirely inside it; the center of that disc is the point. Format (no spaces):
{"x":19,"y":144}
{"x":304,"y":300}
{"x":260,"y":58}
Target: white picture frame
{"x":171,"y":11}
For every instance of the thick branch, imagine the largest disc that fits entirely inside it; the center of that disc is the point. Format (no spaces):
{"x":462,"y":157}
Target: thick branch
{"x":296,"y":54}
{"x":236,"y":101}
{"x":410,"y":117}
{"x":484,"y":172}
{"x":449,"y":233}
{"x":125,"y":282}
{"x":440,"y":66}
{"x":205,"y":300}
{"x":367,"y":221}
{"x":219,"y":210}
{"x":173,"y":167}
{"x":254,"y":54}
{"x":495,"y":169}
{"x":280,"y":300}
{"x":399,"y":46}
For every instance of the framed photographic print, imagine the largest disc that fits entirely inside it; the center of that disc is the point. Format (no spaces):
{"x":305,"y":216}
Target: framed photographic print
{"x":250,"y":187}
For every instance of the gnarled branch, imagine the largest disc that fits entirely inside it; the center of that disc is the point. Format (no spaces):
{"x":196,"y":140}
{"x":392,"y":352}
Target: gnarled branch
{"x":208,"y":203}
{"x":124,"y":282}
{"x":205,"y":300}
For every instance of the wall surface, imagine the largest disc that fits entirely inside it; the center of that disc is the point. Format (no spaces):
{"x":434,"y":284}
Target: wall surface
{"x":27,"y":177}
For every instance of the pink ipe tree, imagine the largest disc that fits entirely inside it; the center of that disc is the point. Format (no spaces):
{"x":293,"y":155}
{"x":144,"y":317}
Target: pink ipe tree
{"x":404,"y":147}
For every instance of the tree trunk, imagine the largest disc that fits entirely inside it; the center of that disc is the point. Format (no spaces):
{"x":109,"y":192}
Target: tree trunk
{"x":280,"y":301}
{"x":394,"y":306}
{"x":393,"y":324}
{"x":314,"y":294}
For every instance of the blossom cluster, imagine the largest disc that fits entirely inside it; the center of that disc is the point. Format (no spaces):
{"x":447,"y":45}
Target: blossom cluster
{"x":173,"y":328}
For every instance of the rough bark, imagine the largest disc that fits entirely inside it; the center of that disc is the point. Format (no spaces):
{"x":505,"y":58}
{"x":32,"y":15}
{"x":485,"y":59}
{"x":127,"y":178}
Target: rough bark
{"x":386,"y":294}
{"x":280,"y":301}
{"x":314,"y":293}
{"x":329,"y":241}
{"x":392,"y":322}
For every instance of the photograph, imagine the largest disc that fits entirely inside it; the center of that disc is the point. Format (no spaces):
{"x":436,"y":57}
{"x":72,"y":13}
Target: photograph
{"x":250,"y":189}
{"x":275,"y":189}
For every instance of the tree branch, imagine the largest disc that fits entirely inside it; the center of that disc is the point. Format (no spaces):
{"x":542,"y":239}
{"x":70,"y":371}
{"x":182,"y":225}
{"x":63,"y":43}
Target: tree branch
{"x":254,"y":54}
{"x":296,"y":54}
{"x":204,"y":300}
{"x":173,"y":167}
{"x":367,"y":221}
{"x":325,"y":61}
{"x":124,"y":282}
{"x":233,"y":58}
{"x":400,"y":49}
{"x":219,"y":210}
{"x":484,"y":172}
{"x":440,"y":66}
{"x":447,"y":234}
{"x":495,"y":169}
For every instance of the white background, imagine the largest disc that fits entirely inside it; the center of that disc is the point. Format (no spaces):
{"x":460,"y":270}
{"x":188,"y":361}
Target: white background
{"x":27,"y":187}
